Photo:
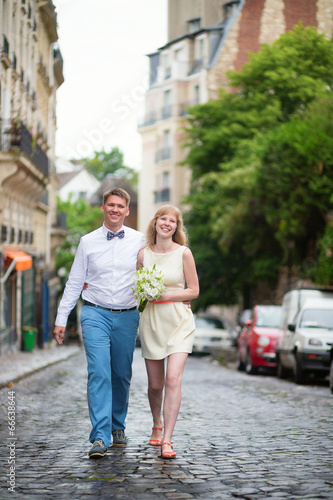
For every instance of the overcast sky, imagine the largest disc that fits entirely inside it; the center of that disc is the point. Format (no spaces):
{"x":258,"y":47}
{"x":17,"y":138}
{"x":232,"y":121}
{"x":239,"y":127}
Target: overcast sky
{"x":104,"y":45}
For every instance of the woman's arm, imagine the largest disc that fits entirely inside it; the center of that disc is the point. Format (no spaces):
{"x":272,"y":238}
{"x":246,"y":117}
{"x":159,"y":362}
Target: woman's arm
{"x":139,"y":262}
{"x":192,"y":282}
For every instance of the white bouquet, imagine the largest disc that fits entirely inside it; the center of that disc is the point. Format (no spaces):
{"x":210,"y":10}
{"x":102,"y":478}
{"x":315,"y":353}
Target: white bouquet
{"x":149,"y":285}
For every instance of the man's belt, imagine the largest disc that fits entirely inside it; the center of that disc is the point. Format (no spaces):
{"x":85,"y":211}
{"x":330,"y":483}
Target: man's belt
{"x":86,"y":303}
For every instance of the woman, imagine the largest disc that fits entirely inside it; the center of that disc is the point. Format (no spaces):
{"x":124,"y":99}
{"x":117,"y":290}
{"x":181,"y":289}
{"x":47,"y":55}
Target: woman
{"x":167,"y":324}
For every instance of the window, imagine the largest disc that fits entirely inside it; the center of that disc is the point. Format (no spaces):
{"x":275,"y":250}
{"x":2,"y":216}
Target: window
{"x":166,"y":140}
{"x":167,"y":106}
{"x":162,"y":194}
{"x":3,"y":233}
{"x":196,"y":94}
{"x":166,"y":66}
{"x":179,"y":55}
{"x":166,"y":179}
{"x":194,"y":24}
{"x":201,"y":49}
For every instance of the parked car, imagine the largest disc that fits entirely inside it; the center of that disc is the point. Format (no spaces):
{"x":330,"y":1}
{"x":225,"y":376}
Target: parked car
{"x":304,"y":347}
{"x":241,"y":320}
{"x":257,"y":341}
{"x":211,"y":332}
{"x":331,"y":370}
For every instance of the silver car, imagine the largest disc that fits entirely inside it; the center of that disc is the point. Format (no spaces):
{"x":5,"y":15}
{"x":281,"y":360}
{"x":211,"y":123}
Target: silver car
{"x":211,"y":333}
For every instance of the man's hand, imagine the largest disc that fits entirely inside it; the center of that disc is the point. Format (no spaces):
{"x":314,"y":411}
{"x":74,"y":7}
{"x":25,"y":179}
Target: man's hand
{"x":59,"y":332}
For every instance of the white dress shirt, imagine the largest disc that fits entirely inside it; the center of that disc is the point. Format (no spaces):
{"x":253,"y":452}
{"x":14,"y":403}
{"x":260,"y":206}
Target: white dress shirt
{"x":107,"y":266}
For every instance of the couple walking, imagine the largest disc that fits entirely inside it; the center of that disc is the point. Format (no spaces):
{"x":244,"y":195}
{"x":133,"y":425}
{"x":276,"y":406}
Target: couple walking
{"x":104,"y":267}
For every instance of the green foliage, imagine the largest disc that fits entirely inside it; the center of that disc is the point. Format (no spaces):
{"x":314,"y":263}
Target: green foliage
{"x":216,"y":129}
{"x":296,"y":69}
{"x":262,"y":167}
{"x":323,"y":274}
{"x":104,"y":163}
{"x":295,"y":177}
{"x":81,"y":219}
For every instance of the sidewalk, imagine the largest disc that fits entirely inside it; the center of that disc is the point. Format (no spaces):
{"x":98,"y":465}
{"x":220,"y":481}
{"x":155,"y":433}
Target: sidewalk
{"x":15,"y":366}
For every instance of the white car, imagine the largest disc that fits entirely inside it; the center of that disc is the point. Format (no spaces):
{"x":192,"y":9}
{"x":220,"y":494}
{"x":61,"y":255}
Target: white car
{"x":305,"y":346}
{"x":331,"y":370}
{"x":211,"y":332}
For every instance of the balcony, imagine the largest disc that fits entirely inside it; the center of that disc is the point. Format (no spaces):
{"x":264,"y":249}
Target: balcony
{"x":16,"y":137}
{"x":184,"y":108}
{"x":196,"y":66}
{"x":162,"y":196}
{"x":163,"y":154}
{"x":58,"y":64}
{"x":167,"y":73}
{"x":5,"y":52}
{"x":166,"y":112}
{"x":148,"y":119}
{"x":14,"y":62}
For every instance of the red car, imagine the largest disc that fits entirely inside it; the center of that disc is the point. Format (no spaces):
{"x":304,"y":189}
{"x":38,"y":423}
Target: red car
{"x":257,"y":340}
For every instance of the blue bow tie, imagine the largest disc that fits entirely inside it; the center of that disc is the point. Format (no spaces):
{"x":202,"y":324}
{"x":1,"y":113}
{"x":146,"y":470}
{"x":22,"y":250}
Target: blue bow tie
{"x":112,"y":235}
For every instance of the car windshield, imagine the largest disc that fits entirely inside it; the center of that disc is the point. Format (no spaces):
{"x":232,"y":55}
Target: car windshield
{"x":209,"y":323}
{"x":269,"y":316}
{"x":317,"y":318}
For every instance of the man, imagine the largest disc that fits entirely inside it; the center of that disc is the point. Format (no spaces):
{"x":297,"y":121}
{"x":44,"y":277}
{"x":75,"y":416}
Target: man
{"x":104,"y":265}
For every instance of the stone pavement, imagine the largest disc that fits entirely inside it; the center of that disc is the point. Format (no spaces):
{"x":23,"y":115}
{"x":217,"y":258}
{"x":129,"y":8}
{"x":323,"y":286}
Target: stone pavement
{"x":237,"y":436}
{"x":16,"y":365}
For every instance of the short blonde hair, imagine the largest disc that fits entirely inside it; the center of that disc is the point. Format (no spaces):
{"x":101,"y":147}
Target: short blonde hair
{"x":179,"y":235}
{"x":117,"y":192}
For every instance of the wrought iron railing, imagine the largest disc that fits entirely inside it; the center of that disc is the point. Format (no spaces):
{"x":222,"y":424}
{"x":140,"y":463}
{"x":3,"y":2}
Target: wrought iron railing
{"x":163,"y":195}
{"x":196,"y":66}
{"x":5,"y":46}
{"x":149,"y":119}
{"x":163,"y":154}
{"x":166,"y":112}
{"x":14,"y":136}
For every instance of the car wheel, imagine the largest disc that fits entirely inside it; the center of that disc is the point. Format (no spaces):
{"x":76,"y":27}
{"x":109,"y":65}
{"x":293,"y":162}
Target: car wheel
{"x":331,"y":377}
{"x":240,"y":363}
{"x":282,"y":372}
{"x":299,"y":373}
{"x":250,"y":368}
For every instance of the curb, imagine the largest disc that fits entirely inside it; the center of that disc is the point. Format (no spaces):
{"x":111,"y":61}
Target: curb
{"x":43,"y":364}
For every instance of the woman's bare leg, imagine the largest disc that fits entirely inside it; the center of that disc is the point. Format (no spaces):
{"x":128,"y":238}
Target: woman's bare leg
{"x":155,"y":372}
{"x":172,"y":397}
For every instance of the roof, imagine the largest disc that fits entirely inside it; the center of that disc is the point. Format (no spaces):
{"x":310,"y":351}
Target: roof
{"x":110,"y":181}
{"x":66,"y":177}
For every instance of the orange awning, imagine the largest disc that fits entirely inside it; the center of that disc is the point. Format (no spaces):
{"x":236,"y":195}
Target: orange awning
{"x":23,"y":260}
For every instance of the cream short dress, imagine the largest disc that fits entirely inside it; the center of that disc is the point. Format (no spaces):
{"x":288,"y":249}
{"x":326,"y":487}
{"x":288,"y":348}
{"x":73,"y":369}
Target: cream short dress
{"x":168,"y":327}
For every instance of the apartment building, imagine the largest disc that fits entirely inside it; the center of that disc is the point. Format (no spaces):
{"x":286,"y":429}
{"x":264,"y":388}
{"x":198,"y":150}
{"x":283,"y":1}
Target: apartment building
{"x":206,"y":38}
{"x":31,"y":71}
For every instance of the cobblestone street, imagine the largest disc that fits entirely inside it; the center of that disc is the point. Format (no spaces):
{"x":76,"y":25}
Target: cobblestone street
{"x":237,"y":436}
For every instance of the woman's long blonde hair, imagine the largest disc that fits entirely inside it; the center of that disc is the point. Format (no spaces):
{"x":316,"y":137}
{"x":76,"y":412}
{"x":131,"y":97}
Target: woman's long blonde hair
{"x":179,"y":235}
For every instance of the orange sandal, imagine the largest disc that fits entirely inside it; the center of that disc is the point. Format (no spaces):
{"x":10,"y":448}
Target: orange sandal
{"x":155,"y":442}
{"x":167,"y":454}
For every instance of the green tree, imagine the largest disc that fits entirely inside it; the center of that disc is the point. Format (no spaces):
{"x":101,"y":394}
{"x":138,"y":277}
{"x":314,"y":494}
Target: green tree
{"x":279,"y":80}
{"x":104,"y":163}
{"x":296,"y":69}
{"x":295,"y":176}
{"x":265,"y":153}
{"x":81,"y":219}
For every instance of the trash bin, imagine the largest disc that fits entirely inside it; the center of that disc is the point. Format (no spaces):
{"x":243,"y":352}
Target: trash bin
{"x":29,"y":338}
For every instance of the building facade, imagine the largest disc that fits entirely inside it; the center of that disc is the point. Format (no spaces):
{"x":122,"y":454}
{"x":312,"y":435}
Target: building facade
{"x":206,"y":38}
{"x":31,"y":71}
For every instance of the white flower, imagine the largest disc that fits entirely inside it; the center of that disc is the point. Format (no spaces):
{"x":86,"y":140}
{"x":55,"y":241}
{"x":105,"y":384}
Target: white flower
{"x":149,"y":285}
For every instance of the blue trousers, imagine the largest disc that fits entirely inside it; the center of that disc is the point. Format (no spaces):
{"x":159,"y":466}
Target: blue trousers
{"x":109,"y":342}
